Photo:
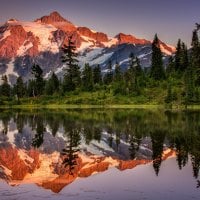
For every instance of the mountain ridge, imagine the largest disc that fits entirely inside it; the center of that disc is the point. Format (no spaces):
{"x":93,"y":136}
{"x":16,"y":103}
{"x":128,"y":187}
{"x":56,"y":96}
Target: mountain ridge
{"x":40,"y":41}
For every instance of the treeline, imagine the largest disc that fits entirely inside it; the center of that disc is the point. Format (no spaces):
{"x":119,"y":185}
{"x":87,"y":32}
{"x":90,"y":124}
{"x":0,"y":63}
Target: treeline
{"x":180,"y":78}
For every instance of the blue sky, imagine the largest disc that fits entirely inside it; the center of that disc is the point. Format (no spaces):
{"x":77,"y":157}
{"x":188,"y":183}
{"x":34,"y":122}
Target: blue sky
{"x":171,"y":19}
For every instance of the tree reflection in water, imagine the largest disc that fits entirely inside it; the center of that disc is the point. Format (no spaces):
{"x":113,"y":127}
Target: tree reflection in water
{"x":70,"y":152}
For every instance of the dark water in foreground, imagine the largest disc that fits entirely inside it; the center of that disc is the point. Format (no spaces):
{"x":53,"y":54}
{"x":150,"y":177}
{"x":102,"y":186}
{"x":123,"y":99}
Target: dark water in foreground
{"x":99,"y":154}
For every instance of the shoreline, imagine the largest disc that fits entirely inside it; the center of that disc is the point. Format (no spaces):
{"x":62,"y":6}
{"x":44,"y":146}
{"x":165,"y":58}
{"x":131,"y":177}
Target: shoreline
{"x":109,"y":106}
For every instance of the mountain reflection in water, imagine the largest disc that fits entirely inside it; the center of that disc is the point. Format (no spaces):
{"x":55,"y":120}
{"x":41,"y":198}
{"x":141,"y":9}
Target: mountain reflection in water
{"x":53,"y":148}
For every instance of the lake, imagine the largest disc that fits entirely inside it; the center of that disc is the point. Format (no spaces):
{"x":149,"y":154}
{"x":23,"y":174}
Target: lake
{"x":105,"y":154}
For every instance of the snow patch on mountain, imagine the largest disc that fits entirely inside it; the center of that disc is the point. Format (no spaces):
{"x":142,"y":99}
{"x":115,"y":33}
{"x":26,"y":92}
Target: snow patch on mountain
{"x":26,"y":46}
{"x":93,"y":31}
{"x":89,"y":56}
{"x":123,"y":61}
{"x":102,"y":58}
{"x":47,"y":75}
{"x":88,"y":42}
{"x":111,"y":42}
{"x":144,"y":55}
{"x":60,"y":69}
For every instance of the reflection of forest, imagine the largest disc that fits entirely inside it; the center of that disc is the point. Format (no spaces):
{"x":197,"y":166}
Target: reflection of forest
{"x":177,"y":130}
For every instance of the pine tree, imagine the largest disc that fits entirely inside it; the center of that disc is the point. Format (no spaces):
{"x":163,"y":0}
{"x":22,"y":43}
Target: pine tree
{"x":157,"y":69}
{"x":72,"y":78}
{"x":169,"y":97}
{"x":131,"y":60}
{"x":133,"y":76}
{"x":170,"y":67}
{"x":19,"y":88}
{"x":196,"y":56}
{"x":138,"y":76}
{"x":97,"y":75}
{"x":138,"y":68}
{"x":118,"y":80}
{"x":39,"y":81}
{"x":108,"y":78}
{"x":184,"y":58}
{"x":52,"y":85}
{"x":87,"y":78}
{"x":189,"y":85}
{"x":181,"y":59}
{"x":178,"y":56}
{"x":117,"y":73}
{"x":5,"y":89}
{"x":129,"y":75}
{"x":31,"y":88}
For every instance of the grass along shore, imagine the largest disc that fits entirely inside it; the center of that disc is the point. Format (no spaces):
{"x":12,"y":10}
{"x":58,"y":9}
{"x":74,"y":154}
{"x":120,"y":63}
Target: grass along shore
{"x":87,"y":100}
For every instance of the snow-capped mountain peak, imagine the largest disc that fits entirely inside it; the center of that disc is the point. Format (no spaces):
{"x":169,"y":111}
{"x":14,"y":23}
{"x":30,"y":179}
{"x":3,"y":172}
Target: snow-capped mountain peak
{"x":24,"y":43}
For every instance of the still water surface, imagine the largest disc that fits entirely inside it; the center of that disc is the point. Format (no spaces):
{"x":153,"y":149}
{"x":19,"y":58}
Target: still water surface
{"x":99,"y":154}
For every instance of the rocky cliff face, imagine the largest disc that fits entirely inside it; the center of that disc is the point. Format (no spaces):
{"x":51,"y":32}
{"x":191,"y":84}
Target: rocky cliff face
{"x":130,"y":39}
{"x":16,"y":38}
{"x":57,"y":21}
{"x":98,"y":36}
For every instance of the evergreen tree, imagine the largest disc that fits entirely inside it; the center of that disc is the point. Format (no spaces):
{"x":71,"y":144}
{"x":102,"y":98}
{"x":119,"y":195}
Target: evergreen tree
{"x":139,"y":76}
{"x":129,"y":75}
{"x":138,"y":68}
{"x":87,"y":78}
{"x":97,"y":75}
{"x":196,"y":56}
{"x":118,"y":73}
{"x":108,"y":78}
{"x":19,"y":88}
{"x":39,"y":81}
{"x":170,"y":67}
{"x":52,"y":85}
{"x":5,"y":89}
{"x":184,"y":58}
{"x":133,"y":75}
{"x":118,"y":80}
{"x":31,"y":88}
{"x":72,"y":78}
{"x":181,"y":59}
{"x":169,"y":97}
{"x":189,"y":85}
{"x":178,"y":56}
{"x":171,"y":94}
{"x":157,"y":69}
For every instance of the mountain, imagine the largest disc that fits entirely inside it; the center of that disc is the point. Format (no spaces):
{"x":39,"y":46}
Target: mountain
{"x":24,"y":43}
